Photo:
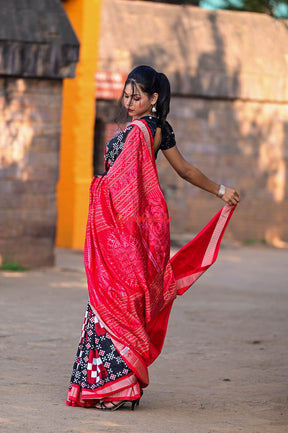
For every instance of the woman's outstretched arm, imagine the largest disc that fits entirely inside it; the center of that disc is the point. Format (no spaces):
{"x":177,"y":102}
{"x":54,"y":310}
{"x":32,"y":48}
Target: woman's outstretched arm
{"x":196,"y":177}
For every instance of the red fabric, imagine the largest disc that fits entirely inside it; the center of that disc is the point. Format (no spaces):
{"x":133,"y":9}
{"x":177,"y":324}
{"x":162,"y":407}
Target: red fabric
{"x":120,"y":389}
{"x":197,"y":256}
{"x":132,"y":282}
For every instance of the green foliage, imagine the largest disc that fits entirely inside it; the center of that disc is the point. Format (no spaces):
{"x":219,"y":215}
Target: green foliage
{"x":270,"y":7}
{"x":261,"y":6}
{"x":12,"y":266}
{"x":254,"y":241}
{"x":178,"y":2}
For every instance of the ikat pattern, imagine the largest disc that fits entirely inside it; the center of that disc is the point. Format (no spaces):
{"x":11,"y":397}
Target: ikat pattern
{"x":97,"y":360}
{"x":115,"y":146}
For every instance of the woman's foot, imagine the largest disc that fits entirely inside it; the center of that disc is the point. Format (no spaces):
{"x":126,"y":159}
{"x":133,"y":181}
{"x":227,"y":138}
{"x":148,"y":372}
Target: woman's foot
{"x":110,"y":405}
{"x":114,"y":405}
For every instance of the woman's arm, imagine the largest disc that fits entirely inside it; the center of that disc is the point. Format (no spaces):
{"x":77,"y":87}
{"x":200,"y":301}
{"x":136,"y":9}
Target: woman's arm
{"x":196,"y":177}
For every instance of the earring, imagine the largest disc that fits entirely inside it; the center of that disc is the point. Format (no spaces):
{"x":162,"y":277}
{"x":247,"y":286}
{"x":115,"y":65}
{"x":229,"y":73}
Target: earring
{"x":154,"y":108}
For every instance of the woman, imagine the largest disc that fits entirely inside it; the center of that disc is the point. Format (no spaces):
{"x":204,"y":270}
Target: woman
{"x":132,"y":282}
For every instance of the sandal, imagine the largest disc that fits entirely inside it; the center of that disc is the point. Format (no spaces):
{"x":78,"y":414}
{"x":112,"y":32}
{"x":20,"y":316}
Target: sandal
{"x":115,"y":406}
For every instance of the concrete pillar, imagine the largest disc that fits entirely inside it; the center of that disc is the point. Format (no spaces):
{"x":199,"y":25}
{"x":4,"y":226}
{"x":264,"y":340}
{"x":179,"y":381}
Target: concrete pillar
{"x":76,"y":154}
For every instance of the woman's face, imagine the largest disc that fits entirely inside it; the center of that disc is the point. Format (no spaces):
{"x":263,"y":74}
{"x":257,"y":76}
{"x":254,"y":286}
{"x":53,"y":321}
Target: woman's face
{"x":138,"y":103}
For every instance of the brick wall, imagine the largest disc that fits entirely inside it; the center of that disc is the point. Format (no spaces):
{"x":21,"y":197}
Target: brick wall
{"x":30,"y":113}
{"x":229,"y":106}
{"x":238,"y":143}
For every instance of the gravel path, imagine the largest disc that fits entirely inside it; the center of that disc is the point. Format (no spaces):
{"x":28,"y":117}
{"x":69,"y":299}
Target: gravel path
{"x":223,"y":368}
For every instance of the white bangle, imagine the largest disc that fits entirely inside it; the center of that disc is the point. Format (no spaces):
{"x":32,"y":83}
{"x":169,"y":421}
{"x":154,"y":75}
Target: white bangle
{"x":221,"y":191}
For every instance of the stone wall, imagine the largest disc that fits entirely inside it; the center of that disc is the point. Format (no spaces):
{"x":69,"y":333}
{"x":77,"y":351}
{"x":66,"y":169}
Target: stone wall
{"x":30,"y":113}
{"x":238,"y":143}
{"x":38,"y":49}
{"x":229,"y":105}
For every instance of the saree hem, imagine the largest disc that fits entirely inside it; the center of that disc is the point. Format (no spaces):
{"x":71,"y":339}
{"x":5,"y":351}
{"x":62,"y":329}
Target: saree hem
{"x":123,"y":389}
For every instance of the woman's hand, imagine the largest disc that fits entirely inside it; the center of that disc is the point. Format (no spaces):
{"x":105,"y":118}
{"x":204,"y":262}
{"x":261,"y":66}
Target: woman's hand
{"x":231,"y":196}
{"x":193,"y":175}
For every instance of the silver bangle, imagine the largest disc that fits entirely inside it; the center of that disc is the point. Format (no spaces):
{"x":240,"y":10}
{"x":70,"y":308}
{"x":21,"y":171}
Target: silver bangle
{"x":221,"y":191}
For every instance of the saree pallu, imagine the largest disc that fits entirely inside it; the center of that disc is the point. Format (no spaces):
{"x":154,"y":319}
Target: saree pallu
{"x":132,"y":281}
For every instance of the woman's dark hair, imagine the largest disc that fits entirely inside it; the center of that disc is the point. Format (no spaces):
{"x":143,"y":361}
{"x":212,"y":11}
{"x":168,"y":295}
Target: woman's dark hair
{"x":150,"y":82}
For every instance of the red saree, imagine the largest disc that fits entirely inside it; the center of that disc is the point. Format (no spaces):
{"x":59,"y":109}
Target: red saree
{"x":132,"y":282}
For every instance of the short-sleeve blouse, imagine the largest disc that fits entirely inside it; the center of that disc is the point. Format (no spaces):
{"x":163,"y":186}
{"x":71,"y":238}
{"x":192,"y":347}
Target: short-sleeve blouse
{"x":115,"y":145}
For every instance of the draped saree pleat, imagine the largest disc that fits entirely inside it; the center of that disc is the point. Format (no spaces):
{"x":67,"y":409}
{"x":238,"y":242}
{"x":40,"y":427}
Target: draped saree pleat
{"x":132,"y":281}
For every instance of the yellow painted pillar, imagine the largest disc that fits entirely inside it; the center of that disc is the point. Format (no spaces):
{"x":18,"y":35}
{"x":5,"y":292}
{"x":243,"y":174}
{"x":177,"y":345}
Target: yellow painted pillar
{"x":78,"y":117}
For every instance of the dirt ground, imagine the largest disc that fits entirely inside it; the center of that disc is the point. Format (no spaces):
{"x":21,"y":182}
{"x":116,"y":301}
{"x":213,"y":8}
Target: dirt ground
{"x":223,"y":368}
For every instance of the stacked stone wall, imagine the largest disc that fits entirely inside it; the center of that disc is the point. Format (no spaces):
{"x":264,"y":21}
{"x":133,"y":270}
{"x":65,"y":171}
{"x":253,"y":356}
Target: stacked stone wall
{"x":30,"y":113}
{"x":38,"y":49}
{"x":238,"y":143}
{"x":229,"y":106}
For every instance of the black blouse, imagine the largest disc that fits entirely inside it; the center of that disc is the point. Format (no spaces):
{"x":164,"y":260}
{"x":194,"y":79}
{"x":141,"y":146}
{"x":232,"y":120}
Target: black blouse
{"x":116,"y":144}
